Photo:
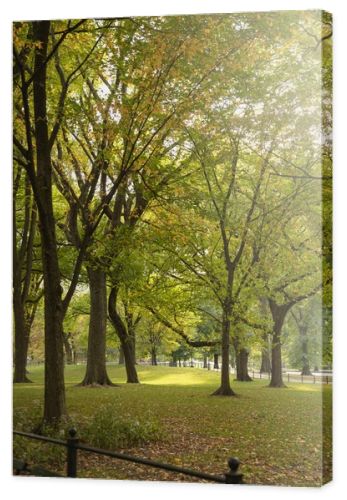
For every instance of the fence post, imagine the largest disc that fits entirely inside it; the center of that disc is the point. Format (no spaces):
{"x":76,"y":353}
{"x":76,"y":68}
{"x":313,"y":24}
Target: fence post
{"x":327,"y":379}
{"x":72,"y":441}
{"x":233,"y":476}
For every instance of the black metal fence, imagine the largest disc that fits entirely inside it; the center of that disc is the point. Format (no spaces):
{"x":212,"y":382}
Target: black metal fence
{"x":72,"y":444}
{"x":295,"y":377}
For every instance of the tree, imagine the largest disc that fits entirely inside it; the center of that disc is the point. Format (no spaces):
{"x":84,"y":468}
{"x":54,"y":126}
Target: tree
{"x":181,"y":181}
{"x":235,"y":139}
{"x":265,"y":348}
{"x":37,"y":160}
{"x":303,"y":336}
{"x":26,"y":283}
{"x":165,"y":141}
{"x":296,"y":276}
{"x":41,"y":182}
{"x":127,"y":118}
{"x":242,"y":352}
{"x":126,"y":337}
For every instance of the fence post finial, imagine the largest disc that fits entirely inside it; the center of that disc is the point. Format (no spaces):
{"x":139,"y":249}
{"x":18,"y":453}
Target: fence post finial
{"x":233,"y":476}
{"x":72,"y":441}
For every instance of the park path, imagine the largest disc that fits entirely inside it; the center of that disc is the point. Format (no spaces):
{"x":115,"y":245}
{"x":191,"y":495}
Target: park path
{"x":288,"y":375}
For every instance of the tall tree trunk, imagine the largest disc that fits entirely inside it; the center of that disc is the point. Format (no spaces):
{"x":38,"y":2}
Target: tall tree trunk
{"x":265,"y":356}
{"x":22,"y":347}
{"x":205,"y":360}
{"x":125,"y":339}
{"x":232,"y":359}
{"x":278,"y":315}
{"x":22,"y":261}
{"x":225,"y":388}
{"x":154,"y":356}
{"x":215,"y":361}
{"x":54,"y":391}
{"x":21,"y":339}
{"x":54,"y":394}
{"x":242,"y":374}
{"x":129,"y":358}
{"x":132,"y":341}
{"x":265,"y":351}
{"x":304,"y":346}
{"x":96,"y":373}
{"x":276,"y":357}
{"x":131,"y":329}
{"x":69,"y":355}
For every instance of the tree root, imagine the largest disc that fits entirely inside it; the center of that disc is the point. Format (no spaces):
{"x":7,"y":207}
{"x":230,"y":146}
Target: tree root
{"x":221,"y":391}
{"x":277,"y":386}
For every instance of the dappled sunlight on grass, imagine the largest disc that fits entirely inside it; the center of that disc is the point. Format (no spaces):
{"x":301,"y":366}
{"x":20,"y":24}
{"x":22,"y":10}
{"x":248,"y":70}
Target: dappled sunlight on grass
{"x":159,"y":375}
{"x":179,"y":376}
{"x":305,"y":387}
{"x":177,"y":380}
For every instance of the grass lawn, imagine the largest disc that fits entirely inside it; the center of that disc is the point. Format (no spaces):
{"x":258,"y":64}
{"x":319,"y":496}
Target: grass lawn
{"x":276,"y":433}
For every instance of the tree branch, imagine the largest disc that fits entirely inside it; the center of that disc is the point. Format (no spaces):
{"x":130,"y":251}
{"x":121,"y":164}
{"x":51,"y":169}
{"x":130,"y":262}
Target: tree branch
{"x":180,"y":332}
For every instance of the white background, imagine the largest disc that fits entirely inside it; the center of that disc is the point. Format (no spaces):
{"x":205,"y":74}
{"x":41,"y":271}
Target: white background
{"x":51,"y":489}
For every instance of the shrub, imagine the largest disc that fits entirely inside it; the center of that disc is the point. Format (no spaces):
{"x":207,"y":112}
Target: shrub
{"x":36,"y":452}
{"x":105,"y":429}
{"x":110,"y":431}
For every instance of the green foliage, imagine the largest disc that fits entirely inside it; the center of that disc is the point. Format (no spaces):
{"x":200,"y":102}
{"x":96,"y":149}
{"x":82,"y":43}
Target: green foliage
{"x":213,"y":152}
{"x":29,"y":419}
{"x":109,"y":430}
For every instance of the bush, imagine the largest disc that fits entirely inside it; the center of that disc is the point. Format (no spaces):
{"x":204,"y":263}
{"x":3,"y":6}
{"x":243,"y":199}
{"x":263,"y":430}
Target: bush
{"x":27,"y":419}
{"x":110,"y":431}
{"x":105,"y":429}
{"x":36,"y":452}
